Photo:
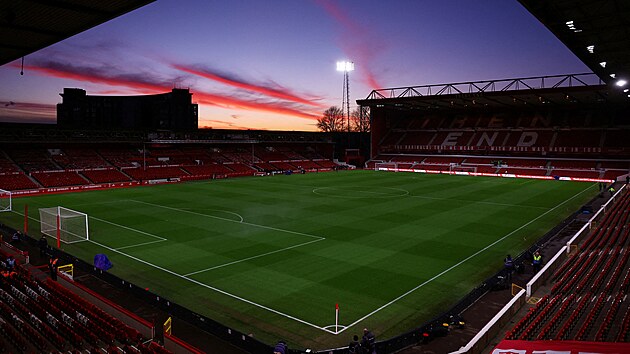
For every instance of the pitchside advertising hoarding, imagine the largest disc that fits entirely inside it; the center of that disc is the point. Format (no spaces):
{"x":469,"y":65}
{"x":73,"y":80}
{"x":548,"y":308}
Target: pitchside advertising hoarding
{"x":560,"y":347}
{"x":504,"y":175}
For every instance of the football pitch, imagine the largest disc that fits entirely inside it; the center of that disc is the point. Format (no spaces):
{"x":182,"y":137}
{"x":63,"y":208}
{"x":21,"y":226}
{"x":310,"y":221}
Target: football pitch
{"x":272,"y":256}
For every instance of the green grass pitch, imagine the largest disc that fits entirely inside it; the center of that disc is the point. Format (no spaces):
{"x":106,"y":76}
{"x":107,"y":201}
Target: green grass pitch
{"x":272,"y":256}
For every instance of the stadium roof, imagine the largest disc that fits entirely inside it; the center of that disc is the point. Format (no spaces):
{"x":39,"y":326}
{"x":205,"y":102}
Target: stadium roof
{"x":596,"y":31}
{"x":531,"y":92}
{"x":27,"y":26}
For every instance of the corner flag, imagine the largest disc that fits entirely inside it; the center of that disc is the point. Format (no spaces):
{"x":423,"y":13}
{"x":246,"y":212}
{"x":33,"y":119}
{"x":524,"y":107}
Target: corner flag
{"x":336,"y":317}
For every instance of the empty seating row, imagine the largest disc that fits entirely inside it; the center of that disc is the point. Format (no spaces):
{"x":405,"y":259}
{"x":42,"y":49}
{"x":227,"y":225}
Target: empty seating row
{"x":105,"y":176}
{"x":58,"y":179}
{"x":16,"y":181}
{"x":591,"y":286}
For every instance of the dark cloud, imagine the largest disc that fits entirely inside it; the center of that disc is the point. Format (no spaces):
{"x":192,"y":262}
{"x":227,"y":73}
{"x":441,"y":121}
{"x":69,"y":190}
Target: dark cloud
{"x":357,"y":41}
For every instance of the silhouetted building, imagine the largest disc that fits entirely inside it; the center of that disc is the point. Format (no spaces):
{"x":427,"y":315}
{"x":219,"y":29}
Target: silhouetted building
{"x":172,"y":110}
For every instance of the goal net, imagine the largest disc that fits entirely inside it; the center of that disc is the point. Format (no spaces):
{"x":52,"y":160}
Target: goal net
{"x":462,"y":168}
{"x":385,"y":166}
{"x":70,"y":225}
{"x":5,"y":200}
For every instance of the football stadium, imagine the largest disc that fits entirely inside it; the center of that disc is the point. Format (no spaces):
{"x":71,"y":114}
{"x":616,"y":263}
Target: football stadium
{"x":486,"y":216}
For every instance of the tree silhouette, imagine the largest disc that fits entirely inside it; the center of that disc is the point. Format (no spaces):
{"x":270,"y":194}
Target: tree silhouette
{"x":332,"y":120}
{"x":360,"y":119}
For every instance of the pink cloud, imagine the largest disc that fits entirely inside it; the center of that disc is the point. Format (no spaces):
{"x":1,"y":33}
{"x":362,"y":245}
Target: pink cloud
{"x":146,"y":84}
{"x":279,"y":92}
{"x":355,"y":42}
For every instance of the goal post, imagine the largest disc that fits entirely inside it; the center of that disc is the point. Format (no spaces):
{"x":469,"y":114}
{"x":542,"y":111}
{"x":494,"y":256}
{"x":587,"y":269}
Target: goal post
{"x":66,"y":225}
{"x":5,"y":200}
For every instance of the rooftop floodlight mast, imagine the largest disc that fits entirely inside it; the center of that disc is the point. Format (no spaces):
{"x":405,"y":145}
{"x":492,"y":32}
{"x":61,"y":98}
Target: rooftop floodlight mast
{"x":346,"y":67}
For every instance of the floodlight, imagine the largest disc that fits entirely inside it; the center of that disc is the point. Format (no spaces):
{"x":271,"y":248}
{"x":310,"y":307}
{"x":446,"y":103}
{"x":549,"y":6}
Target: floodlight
{"x":345,"y":66}
{"x":591,"y":49}
{"x":621,"y":82}
{"x":626,"y":90}
{"x":603,"y":64}
{"x":569,"y":23}
{"x":612,"y":75}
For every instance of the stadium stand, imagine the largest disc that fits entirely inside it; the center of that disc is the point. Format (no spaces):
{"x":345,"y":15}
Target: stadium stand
{"x":109,"y":175}
{"x":16,"y":181}
{"x":41,"y":315}
{"x":66,"y":164}
{"x":207,"y":170}
{"x":59,"y":178}
{"x":30,"y":159}
{"x":557,"y":143}
{"x":73,"y":159}
{"x":587,"y":299}
{"x":154,"y":173}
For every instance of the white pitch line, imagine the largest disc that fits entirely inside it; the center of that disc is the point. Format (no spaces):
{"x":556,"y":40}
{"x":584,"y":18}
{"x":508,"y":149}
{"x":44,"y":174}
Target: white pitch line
{"x":460,"y":263}
{"x":160,"y":239}
{"x":128,"y":228}
{"x":214,"y":289}
{"x":408,"y":194}
{"x":229,"y":220}
{"x":209,"y":286}
{"x":140,"y":244}
{"x":219,"y":210}
{"x":387,"y":195}
{"x":252,"y":257}
{"x":480,"y":202}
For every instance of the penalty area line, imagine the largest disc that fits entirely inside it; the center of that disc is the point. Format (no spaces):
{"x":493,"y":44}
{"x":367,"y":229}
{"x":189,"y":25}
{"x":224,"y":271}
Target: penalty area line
{"x":252,"y":257}
{"x":128,"y":228}
{"x":214,"y":288}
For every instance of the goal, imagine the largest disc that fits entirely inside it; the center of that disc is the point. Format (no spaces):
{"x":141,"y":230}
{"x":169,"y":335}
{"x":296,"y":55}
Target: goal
{"x":5,"y":200}
{"x":385,"y":166}
{"x":462,"y":168}
{"x":71,"y":226}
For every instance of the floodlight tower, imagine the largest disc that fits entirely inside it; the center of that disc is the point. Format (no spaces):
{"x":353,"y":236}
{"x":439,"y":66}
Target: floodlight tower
{"x":346,"y":67}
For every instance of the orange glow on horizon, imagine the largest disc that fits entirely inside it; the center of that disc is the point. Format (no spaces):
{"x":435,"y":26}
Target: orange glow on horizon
{"x":202,"y":98}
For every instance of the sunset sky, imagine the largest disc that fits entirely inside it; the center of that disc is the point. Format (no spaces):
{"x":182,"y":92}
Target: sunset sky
{"x":271,"y":64}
